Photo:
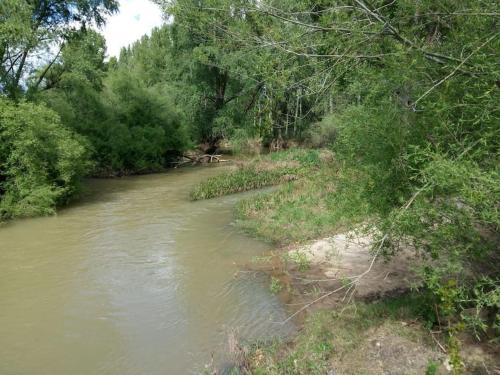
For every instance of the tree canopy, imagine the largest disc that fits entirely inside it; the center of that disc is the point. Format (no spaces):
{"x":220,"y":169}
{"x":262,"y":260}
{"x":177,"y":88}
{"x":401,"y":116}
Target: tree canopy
{"x":31,"y":28}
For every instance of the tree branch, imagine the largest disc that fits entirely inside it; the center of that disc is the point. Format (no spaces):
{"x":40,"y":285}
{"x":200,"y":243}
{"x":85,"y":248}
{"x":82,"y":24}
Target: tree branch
{"x":456,"y":69}
{"x":47,"y":68}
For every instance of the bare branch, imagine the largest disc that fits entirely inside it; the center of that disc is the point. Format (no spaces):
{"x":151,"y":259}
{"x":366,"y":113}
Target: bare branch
{"x":48,"y":67}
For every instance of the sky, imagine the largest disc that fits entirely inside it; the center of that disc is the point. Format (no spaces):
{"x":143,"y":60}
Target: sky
{"x":136,"y":18}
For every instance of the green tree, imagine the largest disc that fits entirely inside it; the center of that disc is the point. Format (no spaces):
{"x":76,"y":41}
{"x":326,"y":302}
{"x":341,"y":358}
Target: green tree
{"x":145,"y":130}
{"x":128,"y":119}
{"x":41,"y":162}
{"x":32,"y":27}
{"x":212,"y":63}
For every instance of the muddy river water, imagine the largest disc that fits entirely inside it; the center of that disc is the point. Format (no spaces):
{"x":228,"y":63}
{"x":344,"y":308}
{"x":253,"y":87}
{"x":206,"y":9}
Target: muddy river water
{"x":132,"y":279}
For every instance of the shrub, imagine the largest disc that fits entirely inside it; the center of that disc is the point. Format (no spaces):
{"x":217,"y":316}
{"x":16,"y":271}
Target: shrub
{"x":323,"y":133}
{"x":41,"y":161}
{"x":431,"y":177}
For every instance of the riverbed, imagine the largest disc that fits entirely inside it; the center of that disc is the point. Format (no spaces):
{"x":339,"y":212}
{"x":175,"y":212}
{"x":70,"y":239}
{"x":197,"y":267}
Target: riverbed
{"x":132,"y":279}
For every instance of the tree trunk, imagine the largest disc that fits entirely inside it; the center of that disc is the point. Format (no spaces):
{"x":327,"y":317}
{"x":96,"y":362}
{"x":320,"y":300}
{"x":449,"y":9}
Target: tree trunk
{"x":17,"y":77}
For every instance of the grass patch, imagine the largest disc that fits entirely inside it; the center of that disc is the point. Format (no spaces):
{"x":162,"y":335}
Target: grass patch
{"x":317,"y":205}
{"x":316,"y":198}
{"x":298,"y":258}
{"x":328,"y":336}
{"x":264,"y":171}
{"x":244,"y":179}
{"x":275,"y":286}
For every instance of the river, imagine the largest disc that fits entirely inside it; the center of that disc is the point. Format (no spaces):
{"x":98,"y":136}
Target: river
{"x":132,"y":279}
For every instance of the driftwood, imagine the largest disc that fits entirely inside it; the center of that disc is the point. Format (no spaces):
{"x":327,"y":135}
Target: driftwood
{"x":199,"y":159}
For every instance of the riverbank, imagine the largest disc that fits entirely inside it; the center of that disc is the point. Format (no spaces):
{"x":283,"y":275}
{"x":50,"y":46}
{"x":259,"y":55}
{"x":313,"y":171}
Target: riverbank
{"x":358,"y":315}
{"x":355,"y":311}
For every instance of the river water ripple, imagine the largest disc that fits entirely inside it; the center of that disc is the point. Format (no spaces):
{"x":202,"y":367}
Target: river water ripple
{"x":133,"y":279}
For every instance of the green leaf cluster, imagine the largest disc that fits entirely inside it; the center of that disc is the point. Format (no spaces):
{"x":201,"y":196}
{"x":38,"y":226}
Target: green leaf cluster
{"x":41,"y":161}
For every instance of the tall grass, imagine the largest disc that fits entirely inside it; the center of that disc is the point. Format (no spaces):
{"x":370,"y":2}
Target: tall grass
{"x":264,"y":171}
{"x":317,"y":205}
{"x":247,"y":178}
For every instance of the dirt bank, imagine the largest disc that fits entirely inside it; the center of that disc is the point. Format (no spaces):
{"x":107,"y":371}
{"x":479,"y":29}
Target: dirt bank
{"x":331,"y":280}
{"x":336,"y":269}
{"x":347,"y":256}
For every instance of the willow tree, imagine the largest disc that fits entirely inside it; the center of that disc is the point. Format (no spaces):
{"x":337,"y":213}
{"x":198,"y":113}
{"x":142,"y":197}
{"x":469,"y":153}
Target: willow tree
{"x":212,"y":62}
{"x":34,"y":31}
{"x":415,"y":90}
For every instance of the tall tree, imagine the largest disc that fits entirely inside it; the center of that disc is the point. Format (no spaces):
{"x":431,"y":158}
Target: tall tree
{"x":45,"y":25}
{"x":212,"y":61}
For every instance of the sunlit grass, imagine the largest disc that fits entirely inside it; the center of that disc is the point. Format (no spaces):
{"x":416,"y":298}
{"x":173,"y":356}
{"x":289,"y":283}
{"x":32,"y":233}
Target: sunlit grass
{"x":312,"y":207}
{"x":244,"y":179}
{"x":261,"y":172}
{"x":316,"y":197}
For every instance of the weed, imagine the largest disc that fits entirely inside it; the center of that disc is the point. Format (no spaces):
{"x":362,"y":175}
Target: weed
{"x":328,"y":337}
{"x":276,"y":286}
{"x":432,"y":368}
{"x":300,"y":259}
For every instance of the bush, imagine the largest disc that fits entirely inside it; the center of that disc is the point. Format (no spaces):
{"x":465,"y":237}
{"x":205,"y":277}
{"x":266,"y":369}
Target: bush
{"x":132,"y":126}
{"x":323,"y":133}
{"x":431,"y":176}
{"x":41,"y":162}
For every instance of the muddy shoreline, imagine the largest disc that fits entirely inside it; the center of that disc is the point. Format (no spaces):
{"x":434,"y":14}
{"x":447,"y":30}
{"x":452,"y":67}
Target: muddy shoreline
{"x":307,"y":273}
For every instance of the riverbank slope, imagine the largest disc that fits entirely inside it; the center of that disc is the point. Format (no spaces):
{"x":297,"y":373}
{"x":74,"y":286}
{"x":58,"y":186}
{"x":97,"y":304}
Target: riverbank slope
{"x":358,"y":309}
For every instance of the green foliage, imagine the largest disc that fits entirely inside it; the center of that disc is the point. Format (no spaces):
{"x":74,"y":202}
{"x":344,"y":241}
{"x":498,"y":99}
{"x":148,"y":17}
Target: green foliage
{"x":275,"y":286}
{"x":322,"y":134}
{"x":144,"y":128}
{"x":31,"y":28}
{"x":132,"y":127}
{"x":300,"y":259}
{"x":209,"y":68}
{"x":267,"y":171}
{"x":41,"y":161}
{"x":432,"y":368}
{"x":14,"y":15}
{"x":244,"y":142}
{"x":455,"y":358}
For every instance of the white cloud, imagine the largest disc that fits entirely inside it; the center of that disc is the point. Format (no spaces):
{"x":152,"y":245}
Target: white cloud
{"x":136,"y":18}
